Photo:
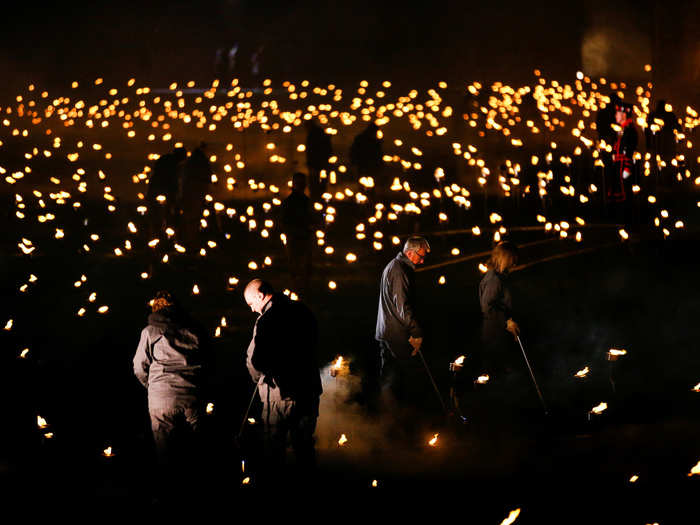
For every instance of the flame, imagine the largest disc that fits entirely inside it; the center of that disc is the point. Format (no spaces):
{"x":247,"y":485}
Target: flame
{"x":600,"y":408}
{"x":511,"y":517}
{"x":696,"y":388}
{"x":342,"y":440}
{"x":339,"y":363}
{"x":246,"y":481}
{"x":374,"y":483}
{"x":433,"y":441}
{"x":482,"y":380}
{"x":210,"y":408}
{"x":583,"y":372}
{"x":460,"y":360}
{"x":41,"y":422}
{"x":108,"y":452}
{"x":617,"y":351}
{"x":634,"y":479}
{"x":8,"y":326}
{"x":695,"y":471}
{"x":251,"y":420}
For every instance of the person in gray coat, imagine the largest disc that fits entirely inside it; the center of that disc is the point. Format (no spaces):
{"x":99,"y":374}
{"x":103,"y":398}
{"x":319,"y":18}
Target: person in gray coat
{"x":169,"y":362}
{"x":398,"y":330}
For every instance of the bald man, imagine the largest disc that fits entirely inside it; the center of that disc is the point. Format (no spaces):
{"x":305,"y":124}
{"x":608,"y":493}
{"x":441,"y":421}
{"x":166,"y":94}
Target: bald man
{"x":281,"y":360}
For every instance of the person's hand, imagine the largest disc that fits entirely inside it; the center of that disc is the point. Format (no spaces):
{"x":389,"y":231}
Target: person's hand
{"x":415,"y":342}
{"x":513,"y":328}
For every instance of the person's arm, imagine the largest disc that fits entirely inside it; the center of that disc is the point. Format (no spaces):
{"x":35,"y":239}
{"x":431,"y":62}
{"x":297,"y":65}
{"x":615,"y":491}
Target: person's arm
{"x":142,"y":359}
{"x":262,"y":359}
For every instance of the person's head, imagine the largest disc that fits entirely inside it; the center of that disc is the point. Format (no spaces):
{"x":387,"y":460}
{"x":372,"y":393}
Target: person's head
{"x":416,"y":248}
{"x":298,"y":182}
{"x":163,"y":299}
{"x":622,"y":112}
{"x":504,"y":256}
{"x":257,"y":293}
{"x":180,"y":154}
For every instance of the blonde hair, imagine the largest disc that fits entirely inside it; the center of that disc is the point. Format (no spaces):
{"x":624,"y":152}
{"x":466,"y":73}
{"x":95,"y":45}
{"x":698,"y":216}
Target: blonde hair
{"x":503,"y":256}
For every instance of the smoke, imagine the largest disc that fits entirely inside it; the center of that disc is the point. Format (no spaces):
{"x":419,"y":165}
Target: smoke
{"x":340,"y":413}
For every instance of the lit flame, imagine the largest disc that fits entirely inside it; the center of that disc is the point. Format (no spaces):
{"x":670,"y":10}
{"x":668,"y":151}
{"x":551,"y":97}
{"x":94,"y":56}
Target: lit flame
{"x":617,"y":352}
{"x":210,"y":408}
{"x":460,"y":360}
{"x":511,"y":517}
{"x":41,"y":422}
{"x":482,"y":380}
{"x":583,"y":372}
{"x":374,"y":483}
{"x":434,"y":440}
{"x":108,"y":452}
{"x":246,"y":481}
{"x":342,"y":440}
{"x":695,"y":471}
{"x":339,"y":363}
{"x":600,"y":408}
{"x":696,"y":388}
{"x":634,"y":479}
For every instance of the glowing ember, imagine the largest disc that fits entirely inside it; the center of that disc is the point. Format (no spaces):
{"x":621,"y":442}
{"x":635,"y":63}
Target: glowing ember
{"x":599,"y":409}
{"x":342,"y":440}
{"x":511,"y":517}
{"x":433,"y":441}
{"x":583,"y":372}
{"x":695,"y":471}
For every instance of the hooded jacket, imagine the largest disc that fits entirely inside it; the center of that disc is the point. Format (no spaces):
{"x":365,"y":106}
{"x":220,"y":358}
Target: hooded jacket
{"x":169,"y":358}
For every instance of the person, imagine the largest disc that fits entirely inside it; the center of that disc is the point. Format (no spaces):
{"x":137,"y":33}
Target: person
{"x":170,"y":362}
{"x":497,"y":356}
{"x":194,"y":182}
{"x":297,"y":224}
{"x":282,"y":362}
{"x":163,"y":181}
{"x":366,"y":152}
{"x":621,"y":178}
{"x":318,"y":150}
{"x":399,"y":333}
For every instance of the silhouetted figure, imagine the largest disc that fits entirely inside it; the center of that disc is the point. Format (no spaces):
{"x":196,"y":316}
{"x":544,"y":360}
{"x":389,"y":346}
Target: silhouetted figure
{"x":318,"y":150}
{"x":366,"y":152}
{"x":232,"y":54}
{"x":620,"y":181}
{"x":282,"y":361}
{"x":255,"y":60}
{"x":164,"y":182}
{"x":195,"y":180}
{"x":662,"y":125}
{"x":498,"y":329}
{"x":297,"y":223}
{"x":170,"y":362}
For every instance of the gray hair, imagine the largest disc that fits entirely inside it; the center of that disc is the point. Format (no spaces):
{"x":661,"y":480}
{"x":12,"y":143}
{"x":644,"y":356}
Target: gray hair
{"x":415,"y":243}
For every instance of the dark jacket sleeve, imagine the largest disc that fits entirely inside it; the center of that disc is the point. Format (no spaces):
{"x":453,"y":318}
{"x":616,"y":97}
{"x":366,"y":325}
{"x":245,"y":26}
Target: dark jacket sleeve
{"x":142,"y":359}
{"x":496,"y":297}
{"x":402,"y":297}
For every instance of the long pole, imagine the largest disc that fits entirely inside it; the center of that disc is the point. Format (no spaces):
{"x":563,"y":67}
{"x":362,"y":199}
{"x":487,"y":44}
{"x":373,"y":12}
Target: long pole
{"x":245,"y":416}
{"x":432,"y":380}
{"x":532,"y":375}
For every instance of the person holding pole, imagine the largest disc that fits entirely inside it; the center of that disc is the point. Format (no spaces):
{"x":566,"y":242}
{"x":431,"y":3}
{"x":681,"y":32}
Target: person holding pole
{"x":281,"y":360}
{"x":497,"y":311}
{"x":398,"y":331}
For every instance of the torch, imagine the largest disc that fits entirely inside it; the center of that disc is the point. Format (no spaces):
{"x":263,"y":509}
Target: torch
{"x":532,"y":375}
{"x":613,"y":355}
{"x":455,"y":367}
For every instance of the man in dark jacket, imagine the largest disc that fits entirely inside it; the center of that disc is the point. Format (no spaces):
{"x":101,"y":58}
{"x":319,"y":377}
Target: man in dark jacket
{"x":297,"y":223}
{"x":318,"y":150}
{"x":163,"y":181}
{"x":169,"y":362}
{"x":398,"y":331}
{"x":281,"y":360}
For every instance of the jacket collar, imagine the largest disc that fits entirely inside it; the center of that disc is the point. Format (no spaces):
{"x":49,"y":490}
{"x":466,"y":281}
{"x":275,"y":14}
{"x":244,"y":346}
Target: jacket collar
{"x":401,"y":257}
